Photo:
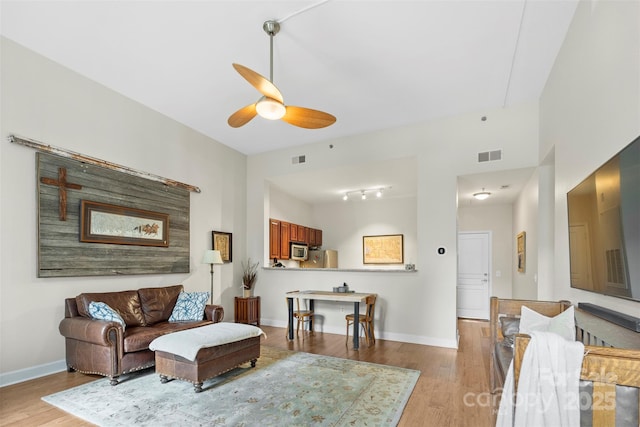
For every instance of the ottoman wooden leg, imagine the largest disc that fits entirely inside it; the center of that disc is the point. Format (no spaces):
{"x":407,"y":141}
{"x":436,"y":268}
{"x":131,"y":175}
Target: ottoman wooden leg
{"x":164,"y":379}
{"x":253,"y":362}
{"x":197,"y":387}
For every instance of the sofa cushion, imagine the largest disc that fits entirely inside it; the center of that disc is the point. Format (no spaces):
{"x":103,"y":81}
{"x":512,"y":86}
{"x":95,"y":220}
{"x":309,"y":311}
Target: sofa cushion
{"x":564,"y":324}
{"x":126,"y":303}
{"x":157,"y":303}
{"x":503,"y":357}
{"x":509,"y":326}
{"x":139,"y":338}
{"x":189,"y":307}
{"x":101,"y":311}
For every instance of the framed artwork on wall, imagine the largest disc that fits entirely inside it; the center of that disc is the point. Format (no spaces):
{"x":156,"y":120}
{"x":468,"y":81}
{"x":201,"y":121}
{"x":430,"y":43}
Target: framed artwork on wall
{"x":222,"y":242}
{"x":120,"y":225}
{"x":521,"y":244}
{"x":383,"y":249}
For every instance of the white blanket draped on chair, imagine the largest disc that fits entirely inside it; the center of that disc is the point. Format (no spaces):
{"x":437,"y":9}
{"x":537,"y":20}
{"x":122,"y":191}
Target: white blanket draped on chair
{"x":548,"y":387}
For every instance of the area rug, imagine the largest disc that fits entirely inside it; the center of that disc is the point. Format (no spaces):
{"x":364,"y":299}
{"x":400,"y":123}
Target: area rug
{"x":285,"y":388}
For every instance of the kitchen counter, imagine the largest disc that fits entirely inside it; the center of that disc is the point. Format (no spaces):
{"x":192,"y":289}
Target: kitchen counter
{"x":341,"y":270}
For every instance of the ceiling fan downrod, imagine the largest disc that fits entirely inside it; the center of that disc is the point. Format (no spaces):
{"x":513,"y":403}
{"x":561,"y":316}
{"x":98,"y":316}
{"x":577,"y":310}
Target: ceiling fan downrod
{"x":271,"y":28}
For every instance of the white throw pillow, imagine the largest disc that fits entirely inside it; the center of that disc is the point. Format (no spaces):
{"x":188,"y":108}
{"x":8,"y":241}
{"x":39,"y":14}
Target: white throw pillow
{"x":190,"y":306}
{"x":564,"y":324}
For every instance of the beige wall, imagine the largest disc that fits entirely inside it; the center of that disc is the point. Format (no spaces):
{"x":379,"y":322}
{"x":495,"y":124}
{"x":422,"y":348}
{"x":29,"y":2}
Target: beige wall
{"x":525,"y":218}
{"x":415,"y":307}
{"x":590,"y":109}
{"x":46,"y":102}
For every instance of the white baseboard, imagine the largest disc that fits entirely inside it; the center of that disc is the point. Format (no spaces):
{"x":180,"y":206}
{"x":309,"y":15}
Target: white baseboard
{"x":26,"y":374}
{"x":414,"y":339}
{"x":33,"y":372}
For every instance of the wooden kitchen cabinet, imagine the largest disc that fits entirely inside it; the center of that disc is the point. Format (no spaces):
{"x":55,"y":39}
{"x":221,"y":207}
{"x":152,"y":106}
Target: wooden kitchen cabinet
{"x":285,"y":240}
{"x":315,"y":237}
{"x":247,"y":310}
{"x":274,"y":238}
{"x":282,"y":234}
{"x":302,"y":234}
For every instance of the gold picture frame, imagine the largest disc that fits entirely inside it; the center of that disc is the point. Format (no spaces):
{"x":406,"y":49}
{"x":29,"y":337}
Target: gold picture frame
{"x":223,"y":242}
{"x":521,"y":244}
{"x":120,"y":225}
{"x":383,"y":249}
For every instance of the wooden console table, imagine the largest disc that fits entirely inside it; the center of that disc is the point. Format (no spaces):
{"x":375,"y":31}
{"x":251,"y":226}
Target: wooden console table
{"x":247,"y":310}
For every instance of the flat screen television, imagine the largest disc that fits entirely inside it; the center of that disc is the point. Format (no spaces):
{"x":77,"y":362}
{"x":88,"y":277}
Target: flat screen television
{"x":604,"y":227}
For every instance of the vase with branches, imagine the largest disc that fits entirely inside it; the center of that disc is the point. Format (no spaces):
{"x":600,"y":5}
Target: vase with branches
{"x":249,"y":276}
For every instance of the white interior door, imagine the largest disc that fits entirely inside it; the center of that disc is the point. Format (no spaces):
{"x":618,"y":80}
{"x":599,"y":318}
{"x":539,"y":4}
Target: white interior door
{"x":474,"y":278}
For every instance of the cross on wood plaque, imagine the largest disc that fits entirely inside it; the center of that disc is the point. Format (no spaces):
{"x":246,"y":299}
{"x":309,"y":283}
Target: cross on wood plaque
{"x":62,"y":185}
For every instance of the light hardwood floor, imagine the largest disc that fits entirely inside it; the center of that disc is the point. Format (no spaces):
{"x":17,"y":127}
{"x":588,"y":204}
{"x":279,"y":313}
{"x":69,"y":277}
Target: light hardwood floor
{"x":453,"y":388}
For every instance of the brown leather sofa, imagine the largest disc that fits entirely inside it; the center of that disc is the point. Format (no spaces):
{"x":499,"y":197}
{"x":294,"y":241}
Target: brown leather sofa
{"x":104,"y":348}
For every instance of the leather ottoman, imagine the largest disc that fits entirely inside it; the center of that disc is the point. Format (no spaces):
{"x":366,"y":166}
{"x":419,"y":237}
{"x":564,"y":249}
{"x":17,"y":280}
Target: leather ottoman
{"x":210,"y":361}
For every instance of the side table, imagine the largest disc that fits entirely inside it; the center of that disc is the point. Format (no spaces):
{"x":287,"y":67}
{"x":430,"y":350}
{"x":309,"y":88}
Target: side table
{"x":247,"y":310}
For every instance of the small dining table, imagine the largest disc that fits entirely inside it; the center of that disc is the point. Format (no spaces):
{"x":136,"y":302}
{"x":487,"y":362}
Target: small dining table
{"x":355,"y":297}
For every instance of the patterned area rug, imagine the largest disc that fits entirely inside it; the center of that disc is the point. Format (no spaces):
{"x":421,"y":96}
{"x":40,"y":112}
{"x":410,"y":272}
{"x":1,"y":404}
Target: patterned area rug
{"x":286,"y":388}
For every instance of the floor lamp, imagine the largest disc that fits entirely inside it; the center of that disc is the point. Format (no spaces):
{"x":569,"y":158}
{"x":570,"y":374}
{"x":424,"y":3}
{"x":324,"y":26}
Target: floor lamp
{"x":212,"y":257}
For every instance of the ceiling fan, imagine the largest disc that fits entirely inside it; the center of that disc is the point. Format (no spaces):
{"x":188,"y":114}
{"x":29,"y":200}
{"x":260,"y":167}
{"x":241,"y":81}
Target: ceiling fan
{"x":271,"y":105}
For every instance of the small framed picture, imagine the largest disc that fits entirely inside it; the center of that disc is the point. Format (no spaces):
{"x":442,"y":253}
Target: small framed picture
{"x":522,"y":251}
{"x":222,"y":242}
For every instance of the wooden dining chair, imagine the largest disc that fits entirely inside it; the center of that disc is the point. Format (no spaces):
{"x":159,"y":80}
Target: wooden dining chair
{"x":301,"y":316}
{"x":366,"y":320}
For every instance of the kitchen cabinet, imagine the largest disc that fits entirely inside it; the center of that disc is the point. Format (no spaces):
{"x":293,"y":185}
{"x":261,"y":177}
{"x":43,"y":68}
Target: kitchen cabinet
{"x":282,"y":234}
{"x":302,"y":234}
{"x":315,"y":237}
{"x":247,"y":310}
{"x":285,"y":240}
{"x":274,"y":238}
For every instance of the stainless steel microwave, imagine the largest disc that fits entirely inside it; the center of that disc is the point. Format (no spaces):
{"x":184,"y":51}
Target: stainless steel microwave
{"x":299,"y":252}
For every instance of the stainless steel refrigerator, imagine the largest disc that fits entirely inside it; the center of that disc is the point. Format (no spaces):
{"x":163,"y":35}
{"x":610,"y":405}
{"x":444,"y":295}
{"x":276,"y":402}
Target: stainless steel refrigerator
{"x":322,"y":258}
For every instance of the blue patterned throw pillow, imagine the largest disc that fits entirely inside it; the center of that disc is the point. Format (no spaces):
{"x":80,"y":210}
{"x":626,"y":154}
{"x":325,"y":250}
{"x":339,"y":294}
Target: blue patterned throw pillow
{"x":190,"y":306}
{"x":101,"y":311}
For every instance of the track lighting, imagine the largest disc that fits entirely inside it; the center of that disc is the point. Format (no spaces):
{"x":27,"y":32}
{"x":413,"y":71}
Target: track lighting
{"x":364,"y":192}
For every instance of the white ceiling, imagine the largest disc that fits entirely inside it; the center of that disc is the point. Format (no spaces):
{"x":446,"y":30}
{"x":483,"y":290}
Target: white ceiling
{"x":372,"y":64}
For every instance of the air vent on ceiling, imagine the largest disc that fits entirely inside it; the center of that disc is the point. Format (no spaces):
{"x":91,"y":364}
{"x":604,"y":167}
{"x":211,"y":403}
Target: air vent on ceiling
{"x":489,"y":156}
{"x":298,"y":159}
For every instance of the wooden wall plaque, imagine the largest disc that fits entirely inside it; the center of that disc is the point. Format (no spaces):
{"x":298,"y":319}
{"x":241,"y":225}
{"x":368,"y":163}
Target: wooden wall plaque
{"x":64,"y":183}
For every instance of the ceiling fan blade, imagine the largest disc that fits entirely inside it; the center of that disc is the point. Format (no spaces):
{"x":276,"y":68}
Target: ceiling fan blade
{"x":242,"y":116}
{"x":261,"y":83}
{"x":307,"y":118}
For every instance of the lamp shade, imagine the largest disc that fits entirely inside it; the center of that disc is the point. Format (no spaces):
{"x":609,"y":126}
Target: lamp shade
{"x":212,"y":257}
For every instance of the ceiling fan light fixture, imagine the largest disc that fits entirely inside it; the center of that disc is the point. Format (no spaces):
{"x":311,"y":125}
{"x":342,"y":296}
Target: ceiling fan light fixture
{"x":270,"y":108}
